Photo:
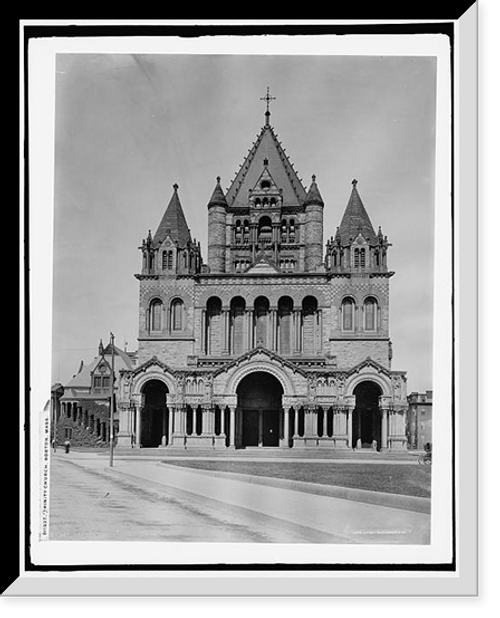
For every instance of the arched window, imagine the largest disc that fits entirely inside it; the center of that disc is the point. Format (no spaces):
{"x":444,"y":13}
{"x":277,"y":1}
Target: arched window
{"x":285,"y":324}
{"x":348,"y":314}
{"x":265,"y":231}
{"x":237,"y":232}
{"x":261,"y":311}
{"x":284,"y":231}
{"x":370,"y":314}
{"x":164,"y":260}
{"x":177,"y":314}
{"x":170,"y":260}
{"x":356,"y":258}
{"x":213,"y":326}
{"x":237,"y":332}
{"x":362,"y":258}
{"x":309,"y":324}
{"x":155,"y":311}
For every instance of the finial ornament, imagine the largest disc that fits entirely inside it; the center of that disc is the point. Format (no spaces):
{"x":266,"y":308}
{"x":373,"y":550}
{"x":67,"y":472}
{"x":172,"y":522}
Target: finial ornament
{"x":176,"y":186}
{"x":314,"y":177}
{"x":268,"y":98}
{"x":354,"y":182}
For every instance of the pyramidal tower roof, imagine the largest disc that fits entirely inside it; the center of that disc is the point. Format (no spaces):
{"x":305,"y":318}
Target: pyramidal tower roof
{"x":355,"y":219}
{"x":173,"y":223}
{"x":266,"y":148}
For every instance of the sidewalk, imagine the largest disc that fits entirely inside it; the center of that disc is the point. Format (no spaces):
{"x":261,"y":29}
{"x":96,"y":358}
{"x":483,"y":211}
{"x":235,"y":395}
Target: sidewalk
{"x":324,"y":517}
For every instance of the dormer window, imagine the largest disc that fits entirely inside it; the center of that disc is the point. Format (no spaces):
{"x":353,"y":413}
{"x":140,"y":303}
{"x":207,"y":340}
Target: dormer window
{"x":265,"y":184}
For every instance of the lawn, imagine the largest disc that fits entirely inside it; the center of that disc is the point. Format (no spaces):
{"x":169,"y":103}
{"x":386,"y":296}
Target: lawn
{"x":409,"y":480}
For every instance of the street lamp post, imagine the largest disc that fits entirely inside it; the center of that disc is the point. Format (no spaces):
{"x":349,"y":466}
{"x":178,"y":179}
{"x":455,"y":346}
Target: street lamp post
{"x":112,"y":401}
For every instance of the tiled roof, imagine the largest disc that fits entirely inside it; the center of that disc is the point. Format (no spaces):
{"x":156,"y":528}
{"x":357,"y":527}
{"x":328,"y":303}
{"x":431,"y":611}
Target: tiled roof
{"x":355,"y":220}
{"x":173,"y":223}
{"x":82,"y":379}
{"x":218,"y":198}
{"x":266,"y":148}
{"x":313,"y":195}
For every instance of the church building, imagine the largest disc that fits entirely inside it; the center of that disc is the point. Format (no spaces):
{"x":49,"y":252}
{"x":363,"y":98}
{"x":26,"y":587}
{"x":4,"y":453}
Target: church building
{"x":278,"y":340}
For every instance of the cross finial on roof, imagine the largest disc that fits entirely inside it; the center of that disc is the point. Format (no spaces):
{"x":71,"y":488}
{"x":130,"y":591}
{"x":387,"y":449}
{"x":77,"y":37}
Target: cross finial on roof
{"x":354,"y":182}
{"x":268,"y":98}
{"x":176,"y":186}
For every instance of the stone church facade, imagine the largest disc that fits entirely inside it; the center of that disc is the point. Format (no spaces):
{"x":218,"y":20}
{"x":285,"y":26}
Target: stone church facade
{"x":278,"y":340}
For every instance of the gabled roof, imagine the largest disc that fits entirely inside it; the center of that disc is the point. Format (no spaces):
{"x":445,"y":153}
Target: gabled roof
{"x":369,"y":362}
{"x":262,"y":265}
{"x":355,"y":220}
{"x":266,"y":147}
{"x":256,"y":351}
{"x":83,"y":379}
{"x":173,"y":223}
{"x":154,"y":360}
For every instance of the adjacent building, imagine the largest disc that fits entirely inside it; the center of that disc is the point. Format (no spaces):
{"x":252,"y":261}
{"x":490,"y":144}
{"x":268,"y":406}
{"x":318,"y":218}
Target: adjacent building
{"x":419,"y":420}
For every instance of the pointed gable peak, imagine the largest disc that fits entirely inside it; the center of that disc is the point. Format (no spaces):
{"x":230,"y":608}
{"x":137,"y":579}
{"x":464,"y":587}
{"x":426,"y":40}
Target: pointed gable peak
{"x":218,"y":198}
{"x":355,"y":220}
{"x":266,"y":148}
{"x":313,"y":195}
{"x":173,"y":223}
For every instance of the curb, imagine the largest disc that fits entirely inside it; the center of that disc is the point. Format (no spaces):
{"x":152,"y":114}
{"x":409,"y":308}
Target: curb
{"x":396,"y":501}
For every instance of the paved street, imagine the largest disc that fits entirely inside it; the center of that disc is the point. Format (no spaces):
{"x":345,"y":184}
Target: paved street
{"x":86,"y":505}
{"x":147,"y":500}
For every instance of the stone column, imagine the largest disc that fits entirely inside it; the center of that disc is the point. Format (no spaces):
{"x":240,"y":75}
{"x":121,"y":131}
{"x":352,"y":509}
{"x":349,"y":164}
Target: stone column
{"x":171,"y":422}
{"x":285,"y":442}
{"x":250,"y":329}
{"x":384,"y":428}
{"x":138,"y":419}
{"x":164,"y":428}
{"x":273,"y":331}
{"x":310,"y":430}
{"x":225,"y":331}
{"x":297,"y":339}
{"x":320,"y":331}
{"x":349,"y":427}
{"x":232,"y":418}
{"x":203,"y":329}
{"x":261,"y":427}
{"x":179,"y":435}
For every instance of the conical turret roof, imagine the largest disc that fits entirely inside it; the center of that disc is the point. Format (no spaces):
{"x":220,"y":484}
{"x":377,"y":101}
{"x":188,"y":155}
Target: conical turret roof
{"x":218,"y":198}
{"x":173,"y":223}
{"x":355,"y":220}
{"x":313,"y":195}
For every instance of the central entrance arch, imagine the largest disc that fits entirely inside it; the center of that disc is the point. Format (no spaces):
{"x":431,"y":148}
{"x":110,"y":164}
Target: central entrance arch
{"x":154,"y":414}
{"x":259,"y":410}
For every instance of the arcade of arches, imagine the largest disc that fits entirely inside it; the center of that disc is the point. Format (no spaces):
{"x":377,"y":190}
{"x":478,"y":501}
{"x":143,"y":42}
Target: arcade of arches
{"x":261,"y":418}
{"x":288,"y":328}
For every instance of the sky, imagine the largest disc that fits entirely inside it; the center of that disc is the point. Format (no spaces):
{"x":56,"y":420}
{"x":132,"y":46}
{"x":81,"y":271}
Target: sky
{"x":128,"y":126}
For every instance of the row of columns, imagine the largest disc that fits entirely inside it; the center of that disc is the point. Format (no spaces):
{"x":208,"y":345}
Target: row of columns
{"x":251,"y":338}
{"x":393,"y":427}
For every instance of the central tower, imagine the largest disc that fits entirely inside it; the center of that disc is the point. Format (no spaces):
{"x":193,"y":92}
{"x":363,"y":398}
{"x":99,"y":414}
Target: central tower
{"x":266,"y":215}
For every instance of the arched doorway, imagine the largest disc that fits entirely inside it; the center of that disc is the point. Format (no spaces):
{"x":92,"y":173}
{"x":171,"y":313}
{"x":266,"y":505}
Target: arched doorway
{"x":154,"y":414}
{"x":260,"y":410}
{"x":366,"y":418}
